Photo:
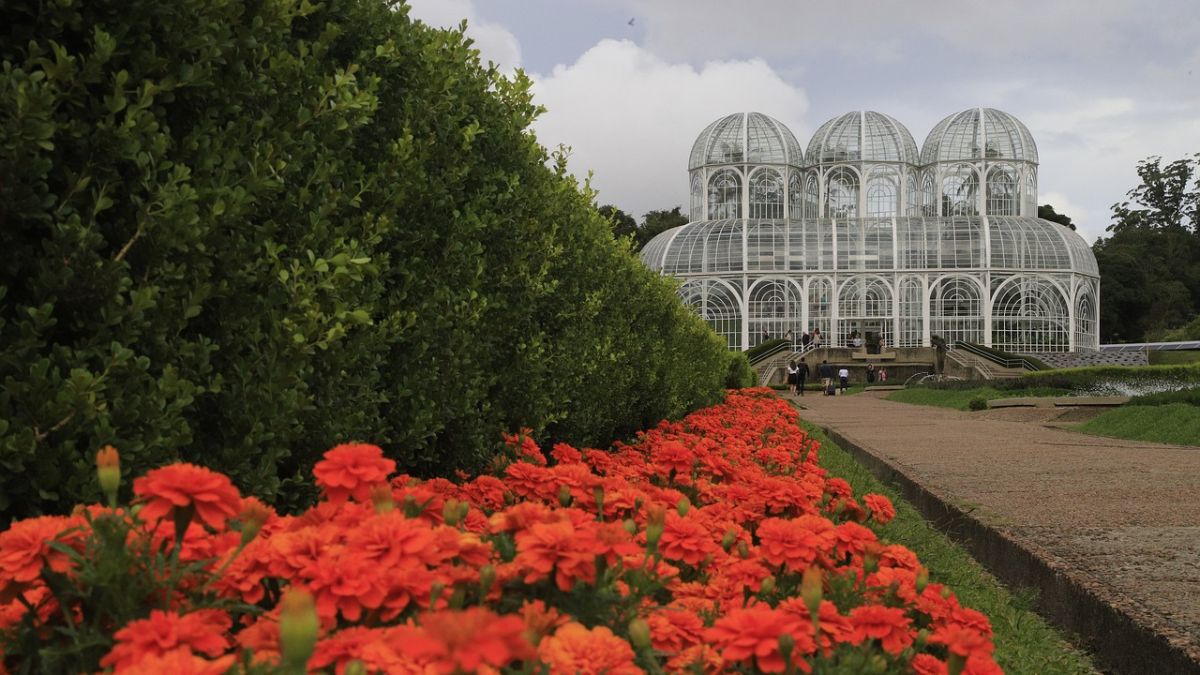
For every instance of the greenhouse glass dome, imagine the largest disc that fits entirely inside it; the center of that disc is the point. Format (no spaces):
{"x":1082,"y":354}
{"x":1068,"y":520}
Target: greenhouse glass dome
{"x":863,"y":234}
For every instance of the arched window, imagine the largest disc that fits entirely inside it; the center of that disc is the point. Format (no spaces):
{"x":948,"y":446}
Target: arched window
{"x":1031,"y":192}
{"x":912,"y":313}
{"x":766,"y":194}
{"x":956,"y":310}
{"x":795,"y":195}
{"x":864,"y":309}
{"x":914,"y":198}
{"x":775,"y":308}
{"x":1002,"y":197}
{"x":718,"y":305}
{"x":812,"y":196}
{"x":820,"y":298}
{"x":841,"y":193}
{"x":725,"y":195}
{"x":881,"y":197}
{"x":960,"y":187}
{"x":1029,"y":314}
{"x":928,"y":200}
{"x":697,"y":212}
{"x":1085,"y":321}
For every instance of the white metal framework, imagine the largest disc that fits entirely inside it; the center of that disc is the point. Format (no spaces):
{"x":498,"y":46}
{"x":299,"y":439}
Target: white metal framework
{"x":865,"y":235}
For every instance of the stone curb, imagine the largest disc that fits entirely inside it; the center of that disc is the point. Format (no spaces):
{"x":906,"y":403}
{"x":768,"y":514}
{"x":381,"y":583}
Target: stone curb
{"x":1117,"y":642}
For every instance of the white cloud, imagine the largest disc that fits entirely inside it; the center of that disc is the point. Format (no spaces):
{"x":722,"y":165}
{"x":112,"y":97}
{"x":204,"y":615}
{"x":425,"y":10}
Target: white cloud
{"x":631,"y":117}
{"x":494,"y":42}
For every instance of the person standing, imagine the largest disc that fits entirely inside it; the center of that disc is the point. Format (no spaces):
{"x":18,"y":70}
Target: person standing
{"x":805,"y":338}
{"x":883,"y":375}
{"x":844,"y":377}
{"x":870,"y":373}
{"x":791,"y":377}
{"x":826,"y":374}
{"x":801,"y":376}
{"x":816,"y":338}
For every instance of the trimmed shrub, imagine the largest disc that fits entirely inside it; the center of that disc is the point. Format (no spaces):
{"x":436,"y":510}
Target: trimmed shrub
{"x":741,"y":373}
{"x":978,"y":403}
{"x":1189,"y":396}
{"x":241,"y":232}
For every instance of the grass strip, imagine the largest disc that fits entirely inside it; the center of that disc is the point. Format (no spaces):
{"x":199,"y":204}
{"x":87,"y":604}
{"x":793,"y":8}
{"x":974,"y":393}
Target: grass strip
{"x":960,"y":399}
{"x":1177,"y":423}
{"x":1025,"y":643}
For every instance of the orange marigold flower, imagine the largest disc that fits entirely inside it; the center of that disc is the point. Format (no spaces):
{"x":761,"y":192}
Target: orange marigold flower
{"x":575,"y":650}
{"x":965,"y":642}
{"x":980,"y":664}
{"x":753,"y":633}
{"x":350,"y":470}
{"x":796,"y":542}
{"x":685,"y":539}
{"x":889,"y":625}
{"x":673,"y":629}
{"x":557,"y":547}
{"x":540,"y":620}
{"x":25,"y":548}
{"x":697,"y":658}
{"x":203,"y":631}
{"x":928,"y":664}
{"x":969,"y":618}
{"x":182,"y":486}
{"x":881,"y":508}
{"x":468,"y":640}
{"x":565,"y":454}
{"x":673,"y":456}
{"x":180,"y":661}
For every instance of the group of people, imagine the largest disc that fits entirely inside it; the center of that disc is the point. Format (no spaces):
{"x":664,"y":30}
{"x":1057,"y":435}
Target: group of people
{"x":798,"y":372}
{"x":812,"y":337}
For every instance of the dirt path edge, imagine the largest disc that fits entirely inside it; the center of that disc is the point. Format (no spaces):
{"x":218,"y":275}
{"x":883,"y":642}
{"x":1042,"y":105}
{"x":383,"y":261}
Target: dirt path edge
{"x":1118,"y":643}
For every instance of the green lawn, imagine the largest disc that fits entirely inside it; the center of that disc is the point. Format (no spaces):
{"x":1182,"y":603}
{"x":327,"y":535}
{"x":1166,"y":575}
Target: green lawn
{"x":1177,"y":423}
{"x":1025,"y":643}
{"x":1159,"y":358}
{"x":961,"y":398}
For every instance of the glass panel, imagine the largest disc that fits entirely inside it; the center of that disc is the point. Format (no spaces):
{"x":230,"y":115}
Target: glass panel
{"x":725,"y":195}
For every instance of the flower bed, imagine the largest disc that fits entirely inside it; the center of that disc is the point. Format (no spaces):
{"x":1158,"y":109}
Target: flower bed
{"x":714,"y":544}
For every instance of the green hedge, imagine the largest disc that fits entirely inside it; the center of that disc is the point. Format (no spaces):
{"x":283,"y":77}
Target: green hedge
{"x":1189,"y":396}
{"x":240,"y":232}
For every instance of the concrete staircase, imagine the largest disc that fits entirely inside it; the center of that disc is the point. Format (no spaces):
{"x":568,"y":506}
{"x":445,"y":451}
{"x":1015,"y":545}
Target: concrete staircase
{"x":982,"y":367}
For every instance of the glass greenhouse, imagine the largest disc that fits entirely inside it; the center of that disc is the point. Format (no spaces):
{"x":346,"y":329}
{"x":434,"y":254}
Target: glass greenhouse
{"x":863,"y":235}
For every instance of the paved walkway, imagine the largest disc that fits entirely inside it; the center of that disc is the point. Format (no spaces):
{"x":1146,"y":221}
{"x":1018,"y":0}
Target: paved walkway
{"x":1119,"y":518}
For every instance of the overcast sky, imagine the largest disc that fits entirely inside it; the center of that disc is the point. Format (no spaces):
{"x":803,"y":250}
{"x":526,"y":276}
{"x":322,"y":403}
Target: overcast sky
{"x":629,"y":84}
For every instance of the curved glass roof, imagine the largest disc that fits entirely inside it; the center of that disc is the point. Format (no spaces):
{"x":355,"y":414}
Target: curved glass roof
{"x":746,"y":138}
{"x":868,"y":244}
{"x":863,"y":135}
{"x":979,"y":133}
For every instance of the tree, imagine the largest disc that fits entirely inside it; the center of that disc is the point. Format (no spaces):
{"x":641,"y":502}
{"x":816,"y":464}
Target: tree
{"x":1149,"y":279}
{"x":1047,"y":212}
{"x":656,"y":222}
{"x":623,"y":224}
{"x":1168,"y":197}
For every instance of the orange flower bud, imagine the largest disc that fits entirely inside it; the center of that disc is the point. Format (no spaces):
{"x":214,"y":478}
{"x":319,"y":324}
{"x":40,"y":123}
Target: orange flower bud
{"x":564,"y":495}
{"x":639,"y":633}
{"x":355,"y":667}
{"x":768,"y":584}
{"x":811,"y":591}
{"x":922,"y":580}
{"x":683,"y":506}
{"x":381,"y":497}
{"x":253,"y":516}
{"x":729,"y":539}
{"x":450,"y":512}
{"x":108,"y":469}
{"x":298,"y":626}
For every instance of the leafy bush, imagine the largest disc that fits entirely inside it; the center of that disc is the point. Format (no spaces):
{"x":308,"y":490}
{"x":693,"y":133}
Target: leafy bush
{"x":978,"y":403}
{"x":741,"y":374}
{"x":239,"y":232}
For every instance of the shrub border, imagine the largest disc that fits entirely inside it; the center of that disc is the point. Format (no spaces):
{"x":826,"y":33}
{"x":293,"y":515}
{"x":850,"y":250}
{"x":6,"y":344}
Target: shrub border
{"x":1113,"y":637}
